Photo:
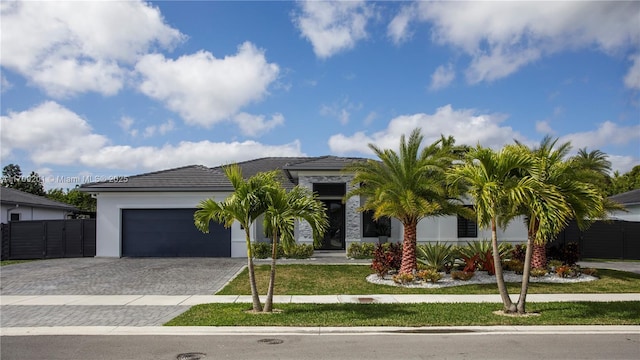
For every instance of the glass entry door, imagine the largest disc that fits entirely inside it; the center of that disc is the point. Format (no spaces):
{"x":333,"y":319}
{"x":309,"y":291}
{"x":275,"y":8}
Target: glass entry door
{"x":334,"y":238}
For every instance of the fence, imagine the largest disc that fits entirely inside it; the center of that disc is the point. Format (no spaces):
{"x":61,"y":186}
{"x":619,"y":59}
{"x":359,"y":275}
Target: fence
{"x":604,"y":239}
{"x":48,"y":239}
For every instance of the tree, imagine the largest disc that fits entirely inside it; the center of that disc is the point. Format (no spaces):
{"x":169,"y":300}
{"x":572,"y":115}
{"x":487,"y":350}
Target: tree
{"x":81,"y":200}
{"x":244,"y":205}
{"x":491,"y":179}
{"x":565,"y":189}
{"x":12,"y":178}
{"x":625,"y":182}
{"x":283,"y":209}
{"x":577,"y":179}
{"x":409,"y":186}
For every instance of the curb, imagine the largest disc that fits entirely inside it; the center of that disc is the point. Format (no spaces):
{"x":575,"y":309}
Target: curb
{"x":274,"y":331}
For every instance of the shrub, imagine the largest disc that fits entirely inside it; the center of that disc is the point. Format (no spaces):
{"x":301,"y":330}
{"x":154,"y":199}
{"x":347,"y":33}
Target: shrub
{"x":429,"y":275}
{"x":299,"y":251}
{"x":563,"y":271}
{"x":514,"y":265}
{"x":403,"y":278}
{"x":538,"y":272}
{"x":436,"y":255}
{"x":361,"y":250}
{"x":483,"y":253}
{"x":519,"y":252}
{"x":571,"y":253}
{"x":386,"y":257}
{"x":462,"y":275}
{"x":261,"y":250}
{"x":553,"y":264}
{"x":590,"y":271}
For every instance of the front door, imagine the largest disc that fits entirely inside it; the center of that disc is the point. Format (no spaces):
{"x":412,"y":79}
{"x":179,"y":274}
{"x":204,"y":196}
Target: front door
{"x":334,"y":236}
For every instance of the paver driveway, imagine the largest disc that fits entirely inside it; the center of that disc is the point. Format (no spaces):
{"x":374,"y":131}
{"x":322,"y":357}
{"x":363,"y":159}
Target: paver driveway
{"x":106,"y":276}
{"x":109,"y":276}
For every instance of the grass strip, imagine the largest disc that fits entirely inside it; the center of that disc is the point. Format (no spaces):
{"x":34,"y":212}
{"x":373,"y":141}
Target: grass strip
{"x":350,"y":280}
{"x":12,"y":262}
{"x":458,"y":314}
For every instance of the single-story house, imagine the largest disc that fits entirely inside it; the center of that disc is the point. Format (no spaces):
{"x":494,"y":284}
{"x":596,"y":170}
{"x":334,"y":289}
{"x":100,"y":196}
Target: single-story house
{"x":152,"y":214}
{"x":19,"y":206}
{"x":631,"y":201}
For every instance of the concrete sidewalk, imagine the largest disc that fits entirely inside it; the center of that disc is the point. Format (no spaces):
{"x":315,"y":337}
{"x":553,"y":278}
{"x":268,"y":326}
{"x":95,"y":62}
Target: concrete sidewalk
{"x":190,"y":300}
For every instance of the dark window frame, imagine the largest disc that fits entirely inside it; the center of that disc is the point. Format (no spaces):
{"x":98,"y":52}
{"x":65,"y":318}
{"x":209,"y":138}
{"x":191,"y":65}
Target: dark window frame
{"x":467,"y":228}
{"x":372,"y":228}
{"x":14,"y":217}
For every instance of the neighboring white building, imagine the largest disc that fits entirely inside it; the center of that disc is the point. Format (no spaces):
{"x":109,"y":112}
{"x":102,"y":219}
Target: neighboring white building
{"x":152,"y":214}
{"x":19,"y":206}
{"x":631,"y":201}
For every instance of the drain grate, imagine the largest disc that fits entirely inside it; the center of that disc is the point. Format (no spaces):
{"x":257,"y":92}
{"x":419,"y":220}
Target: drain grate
{"x":191,"y":356}
{"x":366,"y":300}
{"x":271,"y":341}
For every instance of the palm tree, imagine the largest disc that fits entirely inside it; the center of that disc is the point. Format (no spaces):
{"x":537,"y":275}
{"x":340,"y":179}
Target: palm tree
{"x":244,"y":205}
{"x":565,"y":190}
{"x":409,"y":186}
{"x":576,"y":179}
{"x":283,"y":209}
{"x":491,"y":179}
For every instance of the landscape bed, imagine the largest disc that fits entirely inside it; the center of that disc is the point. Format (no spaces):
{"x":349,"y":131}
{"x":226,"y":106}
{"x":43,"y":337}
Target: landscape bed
{"x":302,"y":279}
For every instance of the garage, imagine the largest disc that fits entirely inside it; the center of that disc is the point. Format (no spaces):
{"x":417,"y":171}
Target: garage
{"x":171,"y":233}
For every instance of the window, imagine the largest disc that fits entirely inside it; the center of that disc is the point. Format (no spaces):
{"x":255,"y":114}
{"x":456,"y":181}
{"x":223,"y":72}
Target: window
{"x":15,"y":217}
{"x":467,"y":228}
{"x":330,"y":189}
{"x":372,"y":228}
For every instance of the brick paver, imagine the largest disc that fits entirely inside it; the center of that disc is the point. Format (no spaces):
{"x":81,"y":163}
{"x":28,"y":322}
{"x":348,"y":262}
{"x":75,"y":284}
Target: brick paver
{"x":126,"y":276}
{"x":30,"y":316}
{"x":108,"y":276}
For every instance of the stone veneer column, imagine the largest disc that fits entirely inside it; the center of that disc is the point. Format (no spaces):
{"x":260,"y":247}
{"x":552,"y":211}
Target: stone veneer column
{"x":353,"y":232}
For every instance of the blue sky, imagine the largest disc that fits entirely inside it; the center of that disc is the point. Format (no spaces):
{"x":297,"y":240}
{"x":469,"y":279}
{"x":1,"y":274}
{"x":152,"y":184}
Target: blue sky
{"x":97,"y":89}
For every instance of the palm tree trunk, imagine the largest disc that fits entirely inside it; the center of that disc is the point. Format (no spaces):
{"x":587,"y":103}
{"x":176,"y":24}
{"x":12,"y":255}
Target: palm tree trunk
{"x":268,"y":304}
{"x":252,"y":274}
{"x":509,"y":306}
{"x":524,"y":289}
{"x":539,"y":256}
{"x":409,"y":248}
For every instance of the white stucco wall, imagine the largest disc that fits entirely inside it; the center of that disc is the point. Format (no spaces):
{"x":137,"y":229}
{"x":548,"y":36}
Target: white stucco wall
{"x":108,"y":220}
{"x":632,"y":214}
{"x":445,"y":229}
{"x":32,"y":213}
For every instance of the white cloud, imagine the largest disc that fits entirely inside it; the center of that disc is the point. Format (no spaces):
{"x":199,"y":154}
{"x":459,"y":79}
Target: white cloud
{"x":334,"y":26}
{"x":632,"y":79}
{"x":78,"y":46}
{"x":256,"y":125}
{"x":52,"y":134}
{"x":204,"y":89}
{"x":442,"y":77}
{"x":161,"y":129}
{"x":501,"y":37}
{"x":398,"y":29}
{"x":623,"y":164}
{"x":340,"y":109}
{"x":608,"y":133}
{"x":466,"y":125}
{"x":5,"y":84}
{"x":543,"y":127}
{"x":370,"y":118}
{"x":126,"y":124}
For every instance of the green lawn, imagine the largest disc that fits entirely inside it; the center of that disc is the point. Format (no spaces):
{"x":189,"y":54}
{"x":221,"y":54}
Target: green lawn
{"x":350,"y":280}
{"x":459,"y":314}
{"x":11,"y":262}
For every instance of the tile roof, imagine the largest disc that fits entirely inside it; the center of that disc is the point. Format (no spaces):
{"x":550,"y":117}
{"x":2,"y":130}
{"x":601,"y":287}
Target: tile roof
{"x":201,"y":178}
{"x":628,"y":198}
{"x":13,"y":196}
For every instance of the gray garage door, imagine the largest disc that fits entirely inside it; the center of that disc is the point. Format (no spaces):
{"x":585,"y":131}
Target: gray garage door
{"x":171,"y":233}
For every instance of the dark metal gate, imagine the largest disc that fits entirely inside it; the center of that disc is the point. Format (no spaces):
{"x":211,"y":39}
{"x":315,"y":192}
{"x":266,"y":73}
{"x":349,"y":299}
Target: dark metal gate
{"x":604,"y":239}
{"x":48,"y":239}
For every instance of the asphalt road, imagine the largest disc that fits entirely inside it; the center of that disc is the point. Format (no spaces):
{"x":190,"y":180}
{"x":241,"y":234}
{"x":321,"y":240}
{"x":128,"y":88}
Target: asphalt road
{"x":334,"y":347}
